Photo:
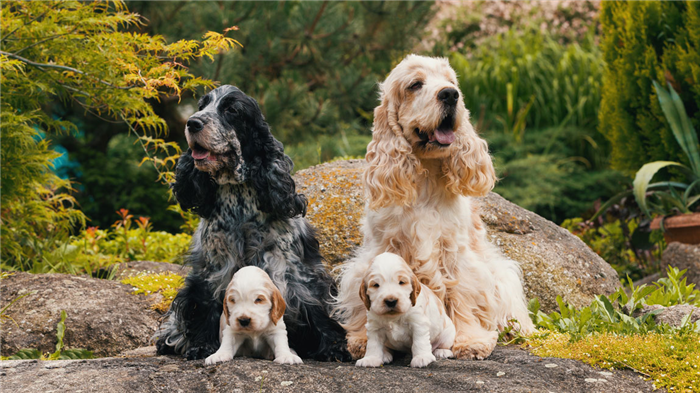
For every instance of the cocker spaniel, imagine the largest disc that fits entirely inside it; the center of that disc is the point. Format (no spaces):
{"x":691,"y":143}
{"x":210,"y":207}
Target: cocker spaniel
{"x":236,"y":176}
{"x":426,"y":163}
{"x":402,"y":315}
{"x":252,"y":323}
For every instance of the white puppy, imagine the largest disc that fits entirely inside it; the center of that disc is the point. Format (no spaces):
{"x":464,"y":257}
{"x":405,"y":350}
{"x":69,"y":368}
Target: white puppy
{"x":403,"y":315}
{"x":252,"y":323}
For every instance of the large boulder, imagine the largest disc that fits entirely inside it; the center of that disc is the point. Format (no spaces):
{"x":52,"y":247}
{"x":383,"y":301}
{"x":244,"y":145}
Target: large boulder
{"x":683,"y":257}
{"x":554,"y":261}
{"x":103,"y":316}
{"x":508,"y":369}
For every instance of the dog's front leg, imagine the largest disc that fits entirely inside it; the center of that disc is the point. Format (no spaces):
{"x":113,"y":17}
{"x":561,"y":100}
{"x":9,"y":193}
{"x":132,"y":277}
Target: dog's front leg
{"x":227,"y":350}
{"x":279,"y":343}
{"x":472,"y":340}
{"x":374,"y":356}
{"x":421,"y":349}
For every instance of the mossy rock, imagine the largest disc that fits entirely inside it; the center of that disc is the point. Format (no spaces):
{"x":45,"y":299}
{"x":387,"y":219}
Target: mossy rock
{"x":554,"y":261}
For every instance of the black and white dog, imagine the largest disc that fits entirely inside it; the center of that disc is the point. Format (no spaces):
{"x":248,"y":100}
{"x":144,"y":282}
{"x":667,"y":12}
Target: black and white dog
{"x":236,"y":176}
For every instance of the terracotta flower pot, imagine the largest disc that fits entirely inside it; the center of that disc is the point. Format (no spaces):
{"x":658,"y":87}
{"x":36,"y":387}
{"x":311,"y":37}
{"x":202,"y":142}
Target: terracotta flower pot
{"x":683,"y":228}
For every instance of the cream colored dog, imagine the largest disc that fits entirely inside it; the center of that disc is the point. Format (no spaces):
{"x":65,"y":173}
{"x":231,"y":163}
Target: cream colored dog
{"x":252,"y":324}
{"x":402,"y":315}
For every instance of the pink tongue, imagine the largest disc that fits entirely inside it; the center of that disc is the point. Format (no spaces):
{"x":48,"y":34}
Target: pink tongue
{"x":445,"y":137}
{"x":200,"y":154}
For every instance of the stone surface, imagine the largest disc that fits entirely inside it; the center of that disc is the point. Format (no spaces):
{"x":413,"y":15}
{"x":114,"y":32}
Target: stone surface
{"x":137,"y":267}
{"x":683,"y":256}
{"x":102,"y":315}
{"x":554,"y":261}
{"x":508,"y":369}
{"x":672,"y":315}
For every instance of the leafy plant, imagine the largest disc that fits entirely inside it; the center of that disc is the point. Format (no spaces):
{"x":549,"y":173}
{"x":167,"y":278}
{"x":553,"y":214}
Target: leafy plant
{"x":61,"y":352}
{"x":167,"y":284}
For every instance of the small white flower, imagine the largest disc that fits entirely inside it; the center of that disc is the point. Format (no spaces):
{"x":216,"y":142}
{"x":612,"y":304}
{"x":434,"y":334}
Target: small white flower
{"x":258,"y":378}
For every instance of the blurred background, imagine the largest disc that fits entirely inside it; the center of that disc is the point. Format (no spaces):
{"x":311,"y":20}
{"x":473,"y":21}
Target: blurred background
{"x":561,"y":90}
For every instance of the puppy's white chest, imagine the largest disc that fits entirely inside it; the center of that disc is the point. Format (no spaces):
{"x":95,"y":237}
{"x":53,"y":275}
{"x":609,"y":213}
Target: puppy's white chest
{"x":398,"y":335}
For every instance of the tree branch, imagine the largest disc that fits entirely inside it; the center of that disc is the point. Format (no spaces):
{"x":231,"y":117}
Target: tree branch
{"x":60,"y":67}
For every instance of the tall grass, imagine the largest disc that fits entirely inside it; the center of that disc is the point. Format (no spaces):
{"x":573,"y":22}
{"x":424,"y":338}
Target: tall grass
{"x":518,"y":69}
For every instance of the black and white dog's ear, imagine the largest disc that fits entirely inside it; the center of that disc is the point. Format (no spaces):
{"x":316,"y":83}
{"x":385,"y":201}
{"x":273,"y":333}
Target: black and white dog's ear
{"x":194,"y":190}
{"x":272,"y":179}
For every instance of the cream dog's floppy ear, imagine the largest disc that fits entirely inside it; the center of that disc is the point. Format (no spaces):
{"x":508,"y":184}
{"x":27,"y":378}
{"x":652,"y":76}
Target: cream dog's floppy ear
{"x":390,"y":176}
{"x":363,"y":294}
{"x":278,"y":304}
{"x":415,"y":289}
{"x":469,"y":170}
{"x":226,"y":313}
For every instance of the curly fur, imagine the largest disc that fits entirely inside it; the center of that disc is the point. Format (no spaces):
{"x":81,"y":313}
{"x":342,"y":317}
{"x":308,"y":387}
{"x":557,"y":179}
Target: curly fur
{"x":251,"y":216}
{"x":420,"y":207}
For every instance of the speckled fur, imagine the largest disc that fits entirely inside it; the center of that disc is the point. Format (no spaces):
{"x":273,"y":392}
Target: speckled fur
{"x":251,"y":216}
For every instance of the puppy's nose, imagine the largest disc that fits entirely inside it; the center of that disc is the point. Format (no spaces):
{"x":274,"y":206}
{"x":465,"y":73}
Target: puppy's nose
{"x":391,"y":303}
{"x":244,"y":321}
{"x":449,"y":96}
{"x":194,"y":125}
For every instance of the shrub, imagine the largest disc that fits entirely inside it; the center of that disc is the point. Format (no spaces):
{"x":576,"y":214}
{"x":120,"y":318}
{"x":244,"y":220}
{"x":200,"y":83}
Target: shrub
{"x":166,"y":284}
{"x":643,"y":42}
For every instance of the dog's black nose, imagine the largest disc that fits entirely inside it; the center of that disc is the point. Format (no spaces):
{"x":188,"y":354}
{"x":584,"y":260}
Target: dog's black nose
{"x":449,"y":96}
{"x":244,"y":321}
{"x":194,"y":125}
{"x":391,"y":303}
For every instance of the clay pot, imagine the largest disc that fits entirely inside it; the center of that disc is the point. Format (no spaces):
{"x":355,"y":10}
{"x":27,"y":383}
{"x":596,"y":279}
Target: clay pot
{"x":683,"y":228}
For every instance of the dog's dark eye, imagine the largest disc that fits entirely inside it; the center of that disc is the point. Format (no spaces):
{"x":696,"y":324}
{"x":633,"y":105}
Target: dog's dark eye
{"x":375,"y":285}
{"x":230,"y":110}
{"x":402,"y":282}
{"x":259,"y":300}
{"x":416,"y":86}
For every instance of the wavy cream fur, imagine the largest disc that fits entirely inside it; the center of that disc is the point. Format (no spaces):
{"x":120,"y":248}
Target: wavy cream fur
{"x":420,"y":207}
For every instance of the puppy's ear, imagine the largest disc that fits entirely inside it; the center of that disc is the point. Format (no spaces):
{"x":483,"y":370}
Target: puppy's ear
{"x":278,"y":304}
{"x":226,"y":312}
{"x":271,"y":177}
{"x":390,"y":176}
{"x":363,"y":295}
{"x":194,"y":190}
{"x":469,"y":170}
{"x":415,"y":289}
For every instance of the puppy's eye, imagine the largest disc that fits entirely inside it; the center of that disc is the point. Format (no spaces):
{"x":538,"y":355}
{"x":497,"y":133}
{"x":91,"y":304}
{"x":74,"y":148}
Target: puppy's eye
{"x":415,"y":86}
{"x":375,"y":285}
{"x":259,"y":300}
{"x":402,"y":282}
{"x":230,"y":110}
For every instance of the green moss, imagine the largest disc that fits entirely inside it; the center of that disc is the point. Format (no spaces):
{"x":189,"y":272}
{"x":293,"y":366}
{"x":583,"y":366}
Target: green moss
{"x":671,"y":361}
{"x":167,"y":284}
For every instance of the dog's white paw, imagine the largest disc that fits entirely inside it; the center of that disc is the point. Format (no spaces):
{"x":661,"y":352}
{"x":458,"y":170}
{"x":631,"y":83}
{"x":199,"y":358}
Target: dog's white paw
{"x":218,"y":357}
{"x":387,"y":357}
{"x":288,"y":359}
{"x":422,"y":360}
{"x":441,"y":353}
{"x":369,"y":361}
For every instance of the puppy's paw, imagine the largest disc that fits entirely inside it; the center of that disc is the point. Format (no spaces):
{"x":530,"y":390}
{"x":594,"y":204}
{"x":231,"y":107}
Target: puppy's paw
{"x":442,"y":353}
{"x":289,"y":358}
{"x":422,"y":360}
{"x":387,"y":357}
{"x":369,"y":361}
{"x":218,"y":357}
{"x":357,"y":345}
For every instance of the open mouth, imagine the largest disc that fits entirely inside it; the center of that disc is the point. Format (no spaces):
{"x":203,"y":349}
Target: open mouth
{"x":443,"y":136}
{"x":200,"y":153}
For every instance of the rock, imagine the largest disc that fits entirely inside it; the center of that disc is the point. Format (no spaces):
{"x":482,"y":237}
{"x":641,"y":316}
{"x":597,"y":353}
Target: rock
{"x":672,"y":315}
{"x":102,"y":315}
{"x":137,"y":267}
{"x":554,"y":261}
{"x":683,"y":256}
{"x":508,"y":369}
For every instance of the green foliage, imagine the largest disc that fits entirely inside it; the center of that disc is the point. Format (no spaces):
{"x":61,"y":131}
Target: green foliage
{"x":616,"y":241}
{"x":60,"y":354}
{"x":167,"y":284}
{"x":77,"y":52}
{"x":644,"y":42}
{"x":312,"y":66}
{"x":616,"y":314}
{"x":680,"y":197}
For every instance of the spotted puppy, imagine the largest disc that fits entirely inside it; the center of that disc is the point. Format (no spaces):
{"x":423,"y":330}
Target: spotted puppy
{"x":403,"y":315}
{"x":252,"y":324}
